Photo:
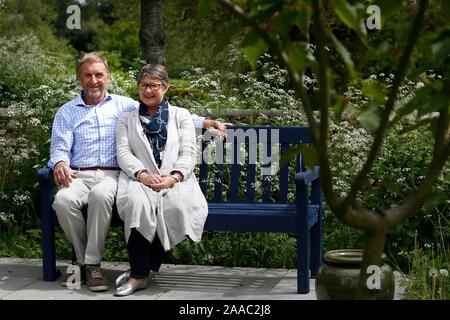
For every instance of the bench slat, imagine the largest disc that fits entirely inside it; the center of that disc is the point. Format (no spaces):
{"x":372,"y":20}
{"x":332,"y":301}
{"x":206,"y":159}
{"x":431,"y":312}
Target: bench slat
{"x":251,"y":175}
{"x":218,"y":182}
{"x":235,"y":175}
{"x":288,"y":134}
{"x":256,"y":218}
{"x":203,"y":178}
{"x":284,"y":178}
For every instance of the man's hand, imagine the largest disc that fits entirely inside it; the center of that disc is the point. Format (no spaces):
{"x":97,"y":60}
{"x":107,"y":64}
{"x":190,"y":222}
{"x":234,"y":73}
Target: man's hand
{"x":207,"y":123}
{"x":63,"y":174}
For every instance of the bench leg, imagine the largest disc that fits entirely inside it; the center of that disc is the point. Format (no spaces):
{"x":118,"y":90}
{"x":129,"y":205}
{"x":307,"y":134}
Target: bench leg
{"x":48,"y":252}
{"x":316,"y":245}
{"x":45,"y":178}
{"x":303,"y":262}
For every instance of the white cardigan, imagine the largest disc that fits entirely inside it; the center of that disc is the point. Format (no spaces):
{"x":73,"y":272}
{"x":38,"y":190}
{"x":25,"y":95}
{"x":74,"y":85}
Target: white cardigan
{"x":171,"y":213}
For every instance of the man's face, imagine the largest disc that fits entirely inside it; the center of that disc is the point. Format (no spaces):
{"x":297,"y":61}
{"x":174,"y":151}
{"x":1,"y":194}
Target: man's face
{"x":93,"y":77}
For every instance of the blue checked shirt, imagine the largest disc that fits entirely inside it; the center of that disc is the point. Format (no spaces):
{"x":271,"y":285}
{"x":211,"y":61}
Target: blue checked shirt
{"x":198,"y":121}
{"x":84,"y":136}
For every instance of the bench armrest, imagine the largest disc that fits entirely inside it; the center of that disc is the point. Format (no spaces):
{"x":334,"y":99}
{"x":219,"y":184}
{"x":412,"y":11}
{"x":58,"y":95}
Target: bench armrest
{"x":45,"y":176}
{"x":306,"y":177}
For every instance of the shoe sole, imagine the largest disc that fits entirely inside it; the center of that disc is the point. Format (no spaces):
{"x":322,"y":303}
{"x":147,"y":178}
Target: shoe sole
{"x":117,"y":294}
{"x":99,"y":288}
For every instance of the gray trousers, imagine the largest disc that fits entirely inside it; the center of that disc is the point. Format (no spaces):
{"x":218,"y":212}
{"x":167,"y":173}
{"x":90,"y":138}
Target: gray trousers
{"x":97,"y":189}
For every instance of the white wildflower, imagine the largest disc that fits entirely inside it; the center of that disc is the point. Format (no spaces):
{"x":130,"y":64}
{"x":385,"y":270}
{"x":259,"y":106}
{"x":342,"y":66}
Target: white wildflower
{"x":433,"y":272}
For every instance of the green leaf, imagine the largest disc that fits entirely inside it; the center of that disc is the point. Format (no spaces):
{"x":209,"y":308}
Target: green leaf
{"x":379,"y":52}
{"x":345,"y":55}
{"x":391,"y":185}
{"x":375,"y":90}
{"x":440,"y":49}
{"x":226,"y":33}
{"x":352,"y":17}
{"x":369,"y":118}
{"x":204,"y":7}
{"x":299,"y":55}
{"x":445,"y":4}
{"x":435,"y":102}
{"x":285,"y":21}
{"x":388,"y":7}
{"x":420,"y":98}
{"x":309,"y":154}
{"x":417,"y":125}
{"x":289,"y":154}
{"x":304,"y":19}
{"x":338,"y":106}
{"x":254,"y":47}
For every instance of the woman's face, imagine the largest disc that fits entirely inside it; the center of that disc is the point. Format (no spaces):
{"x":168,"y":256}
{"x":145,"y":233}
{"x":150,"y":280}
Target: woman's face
{"x":151,"y":91}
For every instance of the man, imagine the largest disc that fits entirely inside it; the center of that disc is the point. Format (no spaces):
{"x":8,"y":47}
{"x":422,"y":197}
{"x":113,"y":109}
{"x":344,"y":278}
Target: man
{"x":83,"y":157}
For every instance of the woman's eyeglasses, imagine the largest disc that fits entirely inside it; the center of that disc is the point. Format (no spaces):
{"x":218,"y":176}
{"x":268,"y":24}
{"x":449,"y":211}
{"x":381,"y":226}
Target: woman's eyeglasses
{"x":151,"y":86}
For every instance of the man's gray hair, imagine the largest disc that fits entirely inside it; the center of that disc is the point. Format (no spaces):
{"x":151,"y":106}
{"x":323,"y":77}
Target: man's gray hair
{"x":154,"y":71}
{"x":92,"y":57}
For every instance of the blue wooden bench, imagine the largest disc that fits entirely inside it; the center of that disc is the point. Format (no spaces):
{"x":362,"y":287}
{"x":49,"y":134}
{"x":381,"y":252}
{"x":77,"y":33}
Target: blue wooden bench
{"x":235,"y":204}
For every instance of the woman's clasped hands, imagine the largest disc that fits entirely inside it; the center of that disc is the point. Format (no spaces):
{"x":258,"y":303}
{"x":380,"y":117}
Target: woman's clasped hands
{"x":156,"y":182}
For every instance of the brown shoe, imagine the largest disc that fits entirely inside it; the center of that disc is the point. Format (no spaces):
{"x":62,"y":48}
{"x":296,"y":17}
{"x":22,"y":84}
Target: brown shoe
{"x":95,"y":279}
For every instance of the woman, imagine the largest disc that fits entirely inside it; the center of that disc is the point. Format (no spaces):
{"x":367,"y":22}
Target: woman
{"x":158,"y":196}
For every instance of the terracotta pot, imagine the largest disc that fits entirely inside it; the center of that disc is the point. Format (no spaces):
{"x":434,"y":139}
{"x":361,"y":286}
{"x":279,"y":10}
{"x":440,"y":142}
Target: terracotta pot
{"x":339,"y":275}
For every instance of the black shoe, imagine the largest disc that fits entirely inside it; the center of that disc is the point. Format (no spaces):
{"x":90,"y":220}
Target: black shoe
{"x":74,"y":276}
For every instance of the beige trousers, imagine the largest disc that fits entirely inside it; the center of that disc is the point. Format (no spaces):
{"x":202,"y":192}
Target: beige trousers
{"x":97,"y":189}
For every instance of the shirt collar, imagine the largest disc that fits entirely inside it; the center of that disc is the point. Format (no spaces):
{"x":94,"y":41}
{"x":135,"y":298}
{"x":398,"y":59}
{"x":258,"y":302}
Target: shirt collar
{"x":80,"y":102}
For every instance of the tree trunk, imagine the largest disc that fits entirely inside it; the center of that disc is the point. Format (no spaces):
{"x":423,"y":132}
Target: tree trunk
{"x":151,"y":33}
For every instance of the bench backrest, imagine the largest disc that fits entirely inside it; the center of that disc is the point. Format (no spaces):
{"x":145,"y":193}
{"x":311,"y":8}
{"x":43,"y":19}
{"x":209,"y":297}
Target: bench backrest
{"x":244,"y":167}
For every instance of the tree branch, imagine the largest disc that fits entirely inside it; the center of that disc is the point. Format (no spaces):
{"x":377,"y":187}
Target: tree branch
{"x":441,"y":154}
{"x":324,"y":86}
{"x":379,"y":135}
{"x":296,"y":77}
{"x":320,"y":138}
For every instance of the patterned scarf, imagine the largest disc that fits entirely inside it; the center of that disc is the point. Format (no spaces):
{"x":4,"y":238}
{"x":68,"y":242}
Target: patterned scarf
{"x":155,"y":128}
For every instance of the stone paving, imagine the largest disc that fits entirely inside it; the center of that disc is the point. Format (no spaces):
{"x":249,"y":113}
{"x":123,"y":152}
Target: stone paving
{"x":21,"y":279}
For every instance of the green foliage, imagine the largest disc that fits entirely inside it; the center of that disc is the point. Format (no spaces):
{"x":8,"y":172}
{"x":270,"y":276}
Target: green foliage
{"x":31,"y":17}
{"x":189,"y":40}
{"x":115,"y":246}
{"x":31,"y":92}
{"x":428,"y":263}
{"x":352,"y":16}
{"x":26,"y":245}
{"x":238,"y":249}
{"x":122,"y":38}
